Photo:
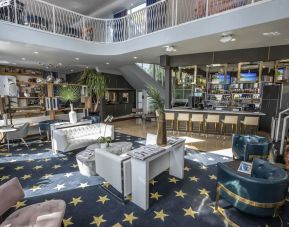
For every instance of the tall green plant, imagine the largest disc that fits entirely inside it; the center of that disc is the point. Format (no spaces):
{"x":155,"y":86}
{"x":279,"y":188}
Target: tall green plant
{"x":158,"y":106}
{"x":68,"y":93}
{"x":96,"y":84}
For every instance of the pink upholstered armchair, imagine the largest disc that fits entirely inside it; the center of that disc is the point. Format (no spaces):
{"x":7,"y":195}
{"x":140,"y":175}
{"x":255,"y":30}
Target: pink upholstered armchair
{"x":46,"y":214}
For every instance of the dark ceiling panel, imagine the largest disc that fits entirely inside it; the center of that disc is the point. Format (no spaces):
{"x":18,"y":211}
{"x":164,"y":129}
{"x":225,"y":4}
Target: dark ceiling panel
{"x":191,"y":59}
{"x":279,"y":52}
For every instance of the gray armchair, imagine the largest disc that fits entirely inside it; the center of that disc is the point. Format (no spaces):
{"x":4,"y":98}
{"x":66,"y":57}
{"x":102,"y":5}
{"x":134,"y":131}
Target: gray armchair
{"x":19,"y":134}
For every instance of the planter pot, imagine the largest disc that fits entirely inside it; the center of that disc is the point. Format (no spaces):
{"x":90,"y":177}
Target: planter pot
{"x":72,"y":115}
{"x":162,"y":131}
{"x":103,"y":145}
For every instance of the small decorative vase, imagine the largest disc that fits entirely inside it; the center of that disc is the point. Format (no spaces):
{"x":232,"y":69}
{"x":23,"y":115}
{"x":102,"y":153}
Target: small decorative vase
{"x":72,"y":115}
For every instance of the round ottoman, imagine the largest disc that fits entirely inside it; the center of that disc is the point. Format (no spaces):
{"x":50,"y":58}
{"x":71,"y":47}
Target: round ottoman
{"x":86,"y":162}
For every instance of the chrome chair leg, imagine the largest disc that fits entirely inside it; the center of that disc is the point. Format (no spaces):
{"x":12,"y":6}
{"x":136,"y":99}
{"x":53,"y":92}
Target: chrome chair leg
{"x":24,"y":142}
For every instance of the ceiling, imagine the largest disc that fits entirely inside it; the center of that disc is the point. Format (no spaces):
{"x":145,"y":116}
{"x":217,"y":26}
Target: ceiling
{"x":96,"y":8}
{"x":65,"y":61}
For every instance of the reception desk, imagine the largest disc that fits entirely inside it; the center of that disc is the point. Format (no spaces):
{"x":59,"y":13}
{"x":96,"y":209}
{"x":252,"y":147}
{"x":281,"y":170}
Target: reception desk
{"x":241,"y":115}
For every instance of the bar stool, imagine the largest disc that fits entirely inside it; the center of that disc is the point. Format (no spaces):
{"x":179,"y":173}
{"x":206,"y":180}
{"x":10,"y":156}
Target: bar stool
{"x":183,"y":117}
{"x":199,"y":119}
{"x":170,"y":117}
{"x":214,"y":119}
{"x":251,"y":122}
{"x":229,"y":120}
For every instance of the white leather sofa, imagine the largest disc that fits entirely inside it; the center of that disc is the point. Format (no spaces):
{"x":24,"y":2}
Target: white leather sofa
{"x":67,"y":139}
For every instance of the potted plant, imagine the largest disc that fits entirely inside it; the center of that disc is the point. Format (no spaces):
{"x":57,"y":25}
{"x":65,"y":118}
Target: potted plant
{"x":69,"y":94}
{"x":104,"y":141}
{"x":158,"y":106}
{"x":96,"y":84}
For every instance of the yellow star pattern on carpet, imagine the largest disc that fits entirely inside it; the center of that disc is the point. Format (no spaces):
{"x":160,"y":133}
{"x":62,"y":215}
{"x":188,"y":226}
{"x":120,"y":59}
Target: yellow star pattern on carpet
{"x":204,"y":167}
{"x":56,"y":166}
{"x":38,"y":167}
{"x":47,"y":175}
{"x":4,"y":178}
{"x":26,"y":176}
{"x":74,"y":166}
{"x":67,"y":222}
{"x":105,"y":184}
{"x":173,"y":180}
{"x":102,"y":199}
{"x":155,"y":195}
{"x":203,"y":191}
{"x":76,"y":201}
{"x":129,"y":218}
{"x":98,"y":220}
{"x":187,"y":169}
{"x":180,"y":194}
{"x":117,"y":225}
{"x":20,"y":204}
{"x":190,"y":212}
{"x":160,"y":215}
{"x":2,"y":167}
{"x":153,"y":182}
{"x":19,"y":168}
{"x":193,"y":178}
{"x":47,"y":159}
{"x":35,"y":188}
{"x":212,"y":177}
{"x":216,"y":210}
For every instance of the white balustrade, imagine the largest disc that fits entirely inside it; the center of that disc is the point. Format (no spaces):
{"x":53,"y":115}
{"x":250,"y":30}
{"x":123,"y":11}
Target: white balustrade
{"x":44,"y":16}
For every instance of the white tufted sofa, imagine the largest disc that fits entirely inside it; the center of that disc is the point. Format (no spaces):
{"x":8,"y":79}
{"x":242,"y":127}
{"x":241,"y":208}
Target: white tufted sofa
{"x":68,"y":139}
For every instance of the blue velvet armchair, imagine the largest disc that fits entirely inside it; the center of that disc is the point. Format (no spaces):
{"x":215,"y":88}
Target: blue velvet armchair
{"x":261,"y":194}
{"x":245,"y":147}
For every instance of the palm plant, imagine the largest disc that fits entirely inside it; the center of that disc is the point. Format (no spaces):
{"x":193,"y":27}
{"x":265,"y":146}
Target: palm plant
{"x":158,"y":106}
{"x":69,"y":93}
{"x":96,"y":84}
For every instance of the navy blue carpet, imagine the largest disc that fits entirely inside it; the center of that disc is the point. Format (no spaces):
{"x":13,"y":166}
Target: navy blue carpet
{"x":173,"y":202}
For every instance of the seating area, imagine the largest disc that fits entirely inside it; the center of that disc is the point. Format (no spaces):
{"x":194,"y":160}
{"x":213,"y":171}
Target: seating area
{"x":144,"y":113}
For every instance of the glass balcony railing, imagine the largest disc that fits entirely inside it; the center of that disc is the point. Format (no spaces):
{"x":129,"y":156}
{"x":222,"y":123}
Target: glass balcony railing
{"x":155,"y":71}
{"x":40,"y":15}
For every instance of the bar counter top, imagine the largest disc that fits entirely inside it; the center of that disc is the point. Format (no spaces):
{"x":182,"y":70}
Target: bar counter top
{"x":188,"y":110}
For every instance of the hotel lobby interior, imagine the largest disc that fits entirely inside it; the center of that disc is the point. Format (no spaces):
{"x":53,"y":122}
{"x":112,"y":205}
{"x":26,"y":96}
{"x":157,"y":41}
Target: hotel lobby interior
{"x":144,"y":113}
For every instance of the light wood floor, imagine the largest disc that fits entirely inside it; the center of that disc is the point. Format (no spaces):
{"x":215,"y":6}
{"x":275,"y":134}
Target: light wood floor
{"x":139,"y":128}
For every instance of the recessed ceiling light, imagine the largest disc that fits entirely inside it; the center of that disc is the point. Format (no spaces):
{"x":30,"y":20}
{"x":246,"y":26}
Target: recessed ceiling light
{"x":77,"y":59}
{"x":59,"y":64}
{"x":271,"y":34}
{"x":23,"y":59}
{"x":107,"y":63}
{"x":14,"y":63}
{"x":47,"y":67}
{"x":227,"y":38}
{"x":72,"y":70}
{"x":233,"y":40}
{"x":35,"y":52}
{"x":170,"y":49}
{"x":135,"y":57}
{"x":4,"y":62}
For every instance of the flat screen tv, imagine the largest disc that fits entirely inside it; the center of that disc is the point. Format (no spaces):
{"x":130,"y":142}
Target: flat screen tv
{"x":248,"y":77}
{"x":220,"y":79}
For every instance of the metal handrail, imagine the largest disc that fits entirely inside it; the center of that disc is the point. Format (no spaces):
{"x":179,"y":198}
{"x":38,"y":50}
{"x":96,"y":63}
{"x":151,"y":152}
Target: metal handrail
{"x":40,"y":15}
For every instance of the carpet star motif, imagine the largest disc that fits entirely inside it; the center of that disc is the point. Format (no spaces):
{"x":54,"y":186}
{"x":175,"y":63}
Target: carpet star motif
{"x":213,"y":177}
{"x":203,"y":191}
{"x":190,"y":212}
{"x":117,"y":225}
{"x":47,"y":175}
{"x":19,"y":168}
{"x":56,"y":166}
{"x":30,"y":160}
{"x":129,"y":218}
{"x":153,"y":182}
{"x":68,"y":174}
{"x":1,"y":168}
{"x":59,"y":187}
{"x":26,"y":176}
{"x":67,"y":222}
{"x":76,"y":201}
{"x":155,"y":195}
{"x":204,"y":167}
{"x":105,"y":184}
{"x":74,"y":166}
{"x":187,"y":169}
{"x":38,"y":167}
{"x":160,"y":215}
{"x":216,"y":210}
{"x":64,"y":159}
{"x":83,"y":185}
{"x":33,"y":149}
{"x":47,"y":159}
{"x":5,"y":177}
{"x":20,"y":204}
{"x":173,"y":180}
{"x":180,"y":194}
{"x":102,"y":199}
{"x":193,"y":178}
{"x":35,"y":188}
{"x":98,"y":220}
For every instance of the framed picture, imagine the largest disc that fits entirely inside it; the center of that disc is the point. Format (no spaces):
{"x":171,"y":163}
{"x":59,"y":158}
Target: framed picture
{"x":245,"y":167}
